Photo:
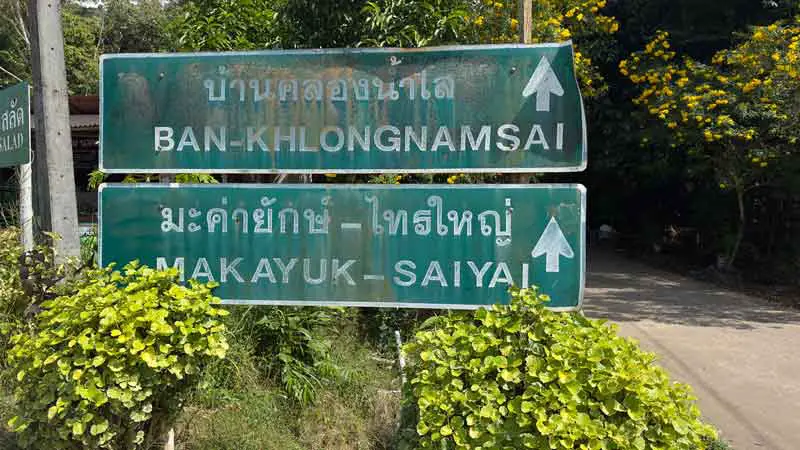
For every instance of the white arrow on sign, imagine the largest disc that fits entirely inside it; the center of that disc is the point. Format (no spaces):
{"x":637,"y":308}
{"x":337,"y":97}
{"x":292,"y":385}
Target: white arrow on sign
{"x":543,"y":82}
{"x":553,"y":244}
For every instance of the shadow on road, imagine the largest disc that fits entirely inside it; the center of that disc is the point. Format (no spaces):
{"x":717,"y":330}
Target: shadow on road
{"x":623,"y":290}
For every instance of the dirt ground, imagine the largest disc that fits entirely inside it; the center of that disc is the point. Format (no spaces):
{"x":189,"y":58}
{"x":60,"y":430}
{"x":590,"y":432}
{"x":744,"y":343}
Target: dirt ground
{"x":740,"y":354}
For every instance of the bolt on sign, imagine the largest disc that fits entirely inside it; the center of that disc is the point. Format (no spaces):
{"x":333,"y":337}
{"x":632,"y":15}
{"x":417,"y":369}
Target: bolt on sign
{"x":498,"y":108}
{"x":15,"y":126}
{"x":417,"y":246}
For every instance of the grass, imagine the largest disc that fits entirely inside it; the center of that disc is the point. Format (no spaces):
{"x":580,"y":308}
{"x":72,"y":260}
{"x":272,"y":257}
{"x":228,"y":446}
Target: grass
{"x":358,"y":410}
{"x":258,"y":421}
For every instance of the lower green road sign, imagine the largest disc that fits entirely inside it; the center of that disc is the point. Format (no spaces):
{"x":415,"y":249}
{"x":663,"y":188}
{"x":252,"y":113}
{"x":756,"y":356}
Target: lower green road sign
{"x":352,"y":245}
{"x":15,"y":126}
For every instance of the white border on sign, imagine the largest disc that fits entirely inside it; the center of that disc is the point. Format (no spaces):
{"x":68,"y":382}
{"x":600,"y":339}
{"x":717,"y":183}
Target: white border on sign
{"x":348,"y":51}
{"x":422,"y":305}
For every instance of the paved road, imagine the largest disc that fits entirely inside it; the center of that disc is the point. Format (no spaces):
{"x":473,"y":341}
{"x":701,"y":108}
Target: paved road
{"x":740,"y":354}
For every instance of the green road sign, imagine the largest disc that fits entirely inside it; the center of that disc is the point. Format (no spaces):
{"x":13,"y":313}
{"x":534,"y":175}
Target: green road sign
{"x":498,"y":108}
{"x":15,"y":126}
{"x":407,"y":245}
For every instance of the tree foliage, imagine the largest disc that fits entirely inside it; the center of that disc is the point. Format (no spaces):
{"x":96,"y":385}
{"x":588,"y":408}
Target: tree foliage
{"x":116,"y":26}
{"x":224,"y":25}
{"x":318,"y":23}
{"x":81,"y":48}
{"x":739,"y":112}
{"x":414,"y":23}
{"x":14,"y":42}
{"x":139,"y":27}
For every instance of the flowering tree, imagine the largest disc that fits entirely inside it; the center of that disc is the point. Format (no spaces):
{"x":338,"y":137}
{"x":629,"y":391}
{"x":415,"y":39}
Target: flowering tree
{"x":419,"y":23}
{"x":553,"y":21}
{"x":739,"y":113}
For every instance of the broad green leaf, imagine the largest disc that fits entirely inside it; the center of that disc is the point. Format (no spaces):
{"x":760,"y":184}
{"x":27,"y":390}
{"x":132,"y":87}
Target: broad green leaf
{"x":99,"y":428}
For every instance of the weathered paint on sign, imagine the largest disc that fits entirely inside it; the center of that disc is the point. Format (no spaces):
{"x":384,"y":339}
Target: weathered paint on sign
{"x":498,"y":108}
{"x":367,"y":245}
{"x":15,"y":126}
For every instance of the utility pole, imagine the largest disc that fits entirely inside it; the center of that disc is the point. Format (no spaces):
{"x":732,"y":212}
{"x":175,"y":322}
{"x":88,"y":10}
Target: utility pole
{"x":56,"y":204}
{"x":525,"y":18}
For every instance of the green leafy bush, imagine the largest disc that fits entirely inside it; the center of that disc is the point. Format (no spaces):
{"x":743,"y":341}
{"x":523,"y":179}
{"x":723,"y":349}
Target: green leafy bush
{"x":26,"y":280}
{"x":294,"y":350}
{"x":111,"y":365}
{"x":521,"y":376}
{"x":12,"y":295}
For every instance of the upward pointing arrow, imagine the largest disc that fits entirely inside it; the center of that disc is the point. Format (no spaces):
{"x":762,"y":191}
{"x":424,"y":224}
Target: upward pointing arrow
{"x":543,"y":82}
{"x":553,"y":244}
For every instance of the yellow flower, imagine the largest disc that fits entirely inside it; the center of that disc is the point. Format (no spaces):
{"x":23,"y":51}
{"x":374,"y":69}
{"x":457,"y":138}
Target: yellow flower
{"x":564,"y":34}
{"x":514,"y":24}
{"x":672,"y":125}
{"x":452,"y":179}
{"x":479,"y":20}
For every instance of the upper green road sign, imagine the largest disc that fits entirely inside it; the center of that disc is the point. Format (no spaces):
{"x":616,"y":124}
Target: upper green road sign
{"x":364,"y":245}
{"x":15,"y":126}
{"x":498,"y":108}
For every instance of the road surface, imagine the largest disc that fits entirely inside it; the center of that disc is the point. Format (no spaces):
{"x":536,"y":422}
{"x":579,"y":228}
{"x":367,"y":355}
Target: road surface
{"x":740,"y":354}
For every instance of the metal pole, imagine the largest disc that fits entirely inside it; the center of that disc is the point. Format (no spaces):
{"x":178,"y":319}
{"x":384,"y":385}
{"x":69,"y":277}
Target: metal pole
{"x":26,"y":206}
{"x":401,"y":359}
{"x":53,"y":168}
{"x":26,"y":193}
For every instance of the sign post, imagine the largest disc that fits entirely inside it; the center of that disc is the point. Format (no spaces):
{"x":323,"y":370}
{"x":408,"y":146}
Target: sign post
{"x":421,"y":246}
{"x":15,"y":150}
{"x":492,"y":108}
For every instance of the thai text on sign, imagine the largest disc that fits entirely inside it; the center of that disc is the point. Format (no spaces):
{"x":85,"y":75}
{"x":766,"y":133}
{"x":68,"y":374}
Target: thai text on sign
{"x":478,"y":108}
{"x":15,"y":132}
{"x":415,"y":246}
